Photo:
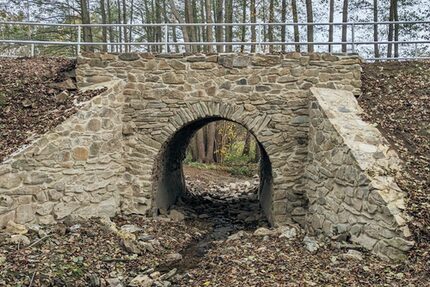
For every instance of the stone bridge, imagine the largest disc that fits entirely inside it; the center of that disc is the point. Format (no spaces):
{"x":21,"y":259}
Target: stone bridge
{"x":321,"y":166}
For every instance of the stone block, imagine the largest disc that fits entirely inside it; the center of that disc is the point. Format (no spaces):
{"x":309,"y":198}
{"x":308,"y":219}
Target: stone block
{"x":6,"y":217}
{"x":202,"y":65}
{"x":10,"y":180}
{"x":266,"y":60}
{"x":128,"y":57}
{"x":172,"y":78}
{"x":24,"y":213}
{"x":94,"y":125}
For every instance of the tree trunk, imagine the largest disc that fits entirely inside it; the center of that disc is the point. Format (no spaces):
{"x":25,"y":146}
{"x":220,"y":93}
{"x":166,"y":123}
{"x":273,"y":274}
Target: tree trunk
{"x":296,"y":27}
{"x":175,"y":39}
{"x":85,"y":17}
{"x":228,"y":19}
{"x":310,"y":29}
{"x":109,"y":19}
{"x":200,"y":138}
{"x":209,"y":34}
{"x":158,"y":31}
{"x":104,"y":20}
{"x":257,"y":153}
{"x":166,"y":20}
{"x":375,"y":28}
{"x":390,"y":30}
{"x":263,"y":27}
{"x":247,"y":144}
{"x":154,"y":30}
{"x":130,"y":30}
{"x":243,"y":28}
{"x":119,"y":28}
{"x":189,"y":18}
{"x":271,"y":20}
{"x":344,"y":27}
{"x":283,"y":20}
{"x":211,"y":131}
{"x":396,"y":29}
{"x":193,"y":149}
{"x":253,"y":14}
{"x":196,"y":29}
{"x":124,"y":19}
{"x":330,"y":28}
{"x":180,"y":20}
{"x":147,"y":19}
{"x":219,"y":29}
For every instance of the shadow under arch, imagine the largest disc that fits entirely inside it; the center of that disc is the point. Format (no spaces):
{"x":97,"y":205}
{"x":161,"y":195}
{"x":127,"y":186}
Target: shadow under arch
{"x":168,"y":176}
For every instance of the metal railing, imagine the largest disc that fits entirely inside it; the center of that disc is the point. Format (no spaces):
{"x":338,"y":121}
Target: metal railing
{"x":416,"y":43}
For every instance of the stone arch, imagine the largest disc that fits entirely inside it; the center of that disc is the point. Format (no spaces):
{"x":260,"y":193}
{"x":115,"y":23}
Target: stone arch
{"x":168,"y":181}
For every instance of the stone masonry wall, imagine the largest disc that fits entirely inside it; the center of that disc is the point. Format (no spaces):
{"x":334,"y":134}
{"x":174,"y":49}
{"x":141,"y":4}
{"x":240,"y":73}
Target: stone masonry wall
{"x":123,"y":150}
{"x":268,"y":94}
{"x":350,"y":178}
{"x":76,"y":168}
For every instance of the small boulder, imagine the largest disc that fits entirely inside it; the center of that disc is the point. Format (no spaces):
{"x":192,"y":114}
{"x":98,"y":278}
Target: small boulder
{"x":131,"y":246}
{"x":176,"y":215}
{"x":352,"y":255}
{"x":131,"y":228}
{"x":236,"y":236}
{"x":168,"y":275}
{"x":262,"y":231}
{"x":20,"y":239}
{"x":62,"y":97}
{"x":172,"y":257}
{"x":155,"y":275}
{"x":129,"y":57}
{"x":15,"y":228}
{"x":114,"y":282}
{"x":147,"y":246}
{"x":311,"y":244}
{"x":287,"y":232}
{"x":141,"y":281}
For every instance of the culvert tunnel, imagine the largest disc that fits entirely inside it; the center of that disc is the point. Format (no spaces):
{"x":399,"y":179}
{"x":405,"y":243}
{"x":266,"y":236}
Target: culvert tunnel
{"x":168,"y":174}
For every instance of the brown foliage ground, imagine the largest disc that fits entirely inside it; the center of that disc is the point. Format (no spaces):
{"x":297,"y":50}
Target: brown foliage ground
{"x":396,"y":97}
{"x":28,"y":99}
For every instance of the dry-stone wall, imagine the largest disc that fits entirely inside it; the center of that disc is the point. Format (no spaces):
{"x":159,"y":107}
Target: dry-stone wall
{"x":123,"y":151}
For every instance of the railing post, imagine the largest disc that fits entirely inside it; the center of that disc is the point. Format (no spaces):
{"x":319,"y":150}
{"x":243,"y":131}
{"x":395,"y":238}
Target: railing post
{"x":353,"y":37}
{"x":78,"y":46}
{"x":416,"y":51}
{"x":166,"y":36}
{"x":259,"y":38}
{"x":31,"y":38}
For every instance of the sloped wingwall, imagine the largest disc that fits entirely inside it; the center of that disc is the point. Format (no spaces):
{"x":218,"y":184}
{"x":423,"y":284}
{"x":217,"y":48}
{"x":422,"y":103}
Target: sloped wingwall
{"x":75,"y":168}
{"x":350,"y":178}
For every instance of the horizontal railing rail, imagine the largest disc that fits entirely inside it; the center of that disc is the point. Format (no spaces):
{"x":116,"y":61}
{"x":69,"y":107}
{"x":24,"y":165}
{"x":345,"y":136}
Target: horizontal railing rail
{"x":420,"y":42}
{"x":213,"y":24}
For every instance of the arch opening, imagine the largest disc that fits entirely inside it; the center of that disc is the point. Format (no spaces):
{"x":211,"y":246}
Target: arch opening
{"x":169,"y":179}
